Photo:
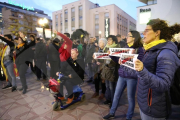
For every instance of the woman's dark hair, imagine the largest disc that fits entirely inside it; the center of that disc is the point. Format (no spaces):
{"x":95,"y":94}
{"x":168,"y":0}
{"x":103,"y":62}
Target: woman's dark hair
{"x":9,"y":36}
{"x":137,"y":39}
{"x":114,"y":38}
{"x":167,"y":32}
{"x":32,"y":37}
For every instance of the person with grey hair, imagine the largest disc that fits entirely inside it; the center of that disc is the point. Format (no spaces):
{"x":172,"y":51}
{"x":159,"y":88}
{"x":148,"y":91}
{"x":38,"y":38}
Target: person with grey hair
{"x":97,"y":79}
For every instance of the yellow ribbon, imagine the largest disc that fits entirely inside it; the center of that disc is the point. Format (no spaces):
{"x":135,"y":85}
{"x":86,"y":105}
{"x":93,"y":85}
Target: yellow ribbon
{"x":2,"y":64}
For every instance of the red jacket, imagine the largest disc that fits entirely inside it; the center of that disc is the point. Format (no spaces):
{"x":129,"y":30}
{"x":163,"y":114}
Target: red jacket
{"x":65,"y":53}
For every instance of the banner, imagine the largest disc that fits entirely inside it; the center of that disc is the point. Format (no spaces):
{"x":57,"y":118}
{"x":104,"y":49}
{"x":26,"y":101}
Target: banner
{"x":128,"y":60}
{"x":101,"y":56}
{"x":118,"y":51}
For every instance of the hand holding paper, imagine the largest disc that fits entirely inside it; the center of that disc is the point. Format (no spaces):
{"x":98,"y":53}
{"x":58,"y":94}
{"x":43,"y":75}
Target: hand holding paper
{"x":138,"y":65}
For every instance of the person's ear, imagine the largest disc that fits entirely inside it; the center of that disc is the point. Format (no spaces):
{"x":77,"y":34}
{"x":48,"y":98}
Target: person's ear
{"x":158,"y":32}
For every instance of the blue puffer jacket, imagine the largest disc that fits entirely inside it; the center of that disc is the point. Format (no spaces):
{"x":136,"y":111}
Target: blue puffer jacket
{"x":156,"y":78}
{"x":124,"y":71}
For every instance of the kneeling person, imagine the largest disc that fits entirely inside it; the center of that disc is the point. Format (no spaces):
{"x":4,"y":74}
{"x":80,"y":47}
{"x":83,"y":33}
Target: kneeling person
{"x":73,"y":69}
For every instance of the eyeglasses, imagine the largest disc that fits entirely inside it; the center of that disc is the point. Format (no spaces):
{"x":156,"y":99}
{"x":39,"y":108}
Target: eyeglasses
{"x":146,"y":30}
{"x":129,"y":36}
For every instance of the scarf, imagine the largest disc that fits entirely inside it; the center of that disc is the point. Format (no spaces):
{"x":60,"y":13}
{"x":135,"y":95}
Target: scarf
{"x":20,"y":45}
{"x":154,"y":43}
{"x":110,"y":46}
{"x":2,"y":63}
{"x":130,"y":45}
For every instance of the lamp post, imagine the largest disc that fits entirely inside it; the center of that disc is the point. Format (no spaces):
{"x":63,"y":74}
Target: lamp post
{"x":43,"y":22}
{"x":100,"y":34}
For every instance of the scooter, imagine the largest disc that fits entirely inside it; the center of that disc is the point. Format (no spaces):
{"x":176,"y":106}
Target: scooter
{"x":54,"y":89}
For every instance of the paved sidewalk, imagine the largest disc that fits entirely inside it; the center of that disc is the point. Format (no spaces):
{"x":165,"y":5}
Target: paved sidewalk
{"x":36,"y":105}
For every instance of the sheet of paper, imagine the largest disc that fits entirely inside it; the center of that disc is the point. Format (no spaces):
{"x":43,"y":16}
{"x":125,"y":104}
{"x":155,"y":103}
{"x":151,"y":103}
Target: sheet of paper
{"x":101,"y":56}
{"x":118,"y":51}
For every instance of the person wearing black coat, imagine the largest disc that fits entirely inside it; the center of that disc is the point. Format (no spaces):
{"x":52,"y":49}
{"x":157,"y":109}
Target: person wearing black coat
{"x":40,"y":59}
{"x":22,"y":59}
{"x":53,"y":57}
{"x":73,"y":70}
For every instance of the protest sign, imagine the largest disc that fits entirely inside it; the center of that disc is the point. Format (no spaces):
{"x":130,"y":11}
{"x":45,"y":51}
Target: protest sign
{"x":101,"y":56}
{"x":128,"y":60}
{"x":118,"y":51}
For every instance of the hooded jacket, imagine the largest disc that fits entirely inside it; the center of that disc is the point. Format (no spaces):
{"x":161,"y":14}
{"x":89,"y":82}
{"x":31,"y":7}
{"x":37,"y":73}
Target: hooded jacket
{"x":156,"y":78}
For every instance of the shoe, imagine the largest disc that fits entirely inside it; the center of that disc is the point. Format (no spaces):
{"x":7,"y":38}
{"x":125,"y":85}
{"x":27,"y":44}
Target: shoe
{"x":24,"y":91}
{"x":61,"y":98}
{"x":89,"y":81}
{"x":95,"y":95}
{"x":13,"y":89}
{"x":101,"y":96}
{"x":107,"y":102}
{"x":7,"y":86}
{"x":109,"y":116}
{"x":22,"y":88}
{"x":70,"y":100}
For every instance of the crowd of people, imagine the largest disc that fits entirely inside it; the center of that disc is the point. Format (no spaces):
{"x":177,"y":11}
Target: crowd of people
{"x":153,"y":75}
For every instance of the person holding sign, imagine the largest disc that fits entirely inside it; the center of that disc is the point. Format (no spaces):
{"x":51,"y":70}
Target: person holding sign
{"x":127,"y":77}
{"x":109,"y":71}
{"x":157,"y":69}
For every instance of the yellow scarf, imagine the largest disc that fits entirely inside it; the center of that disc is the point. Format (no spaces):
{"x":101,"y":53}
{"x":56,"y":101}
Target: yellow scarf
{"x":154,"y":43}
{"x":20,"y":45}
{"x":130,"y":45}
{"x":2,"y":64}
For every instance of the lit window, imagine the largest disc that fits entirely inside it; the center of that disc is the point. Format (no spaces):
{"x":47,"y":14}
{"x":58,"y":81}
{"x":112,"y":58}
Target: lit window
{"x":66,"y":29}
{"x":73,"y":19}
{"x":73,"y":28}
{"x":80,"y":27}
{"x":66,"y":20}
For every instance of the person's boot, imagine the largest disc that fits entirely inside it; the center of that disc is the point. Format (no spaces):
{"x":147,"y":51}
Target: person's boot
{"x":109,"y":116}
{"x":24,"y":91}
{"x":95,"y":95}
{"x":7,"y":86}
{"x":70,"y":100}
{"x":14,"y":89}
{"x":101,"y":96}
{"x":107,"y":102}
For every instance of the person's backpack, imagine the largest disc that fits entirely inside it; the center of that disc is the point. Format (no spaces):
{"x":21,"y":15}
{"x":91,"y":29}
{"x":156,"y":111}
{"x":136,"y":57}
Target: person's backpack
{"x":175,"y":87}
{"x":174,"y":91}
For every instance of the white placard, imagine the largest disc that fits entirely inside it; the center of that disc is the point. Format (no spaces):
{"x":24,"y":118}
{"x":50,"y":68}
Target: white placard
{"x":101,"y":56}
{"x":128,"y":60}
{"x":118,"y":51}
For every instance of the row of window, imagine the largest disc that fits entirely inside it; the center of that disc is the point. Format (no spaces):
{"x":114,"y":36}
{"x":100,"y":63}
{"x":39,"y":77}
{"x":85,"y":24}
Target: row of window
{"x":73,"y":10}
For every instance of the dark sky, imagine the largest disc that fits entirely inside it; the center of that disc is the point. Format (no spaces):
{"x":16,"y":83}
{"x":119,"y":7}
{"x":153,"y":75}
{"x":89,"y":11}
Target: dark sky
{"x":48,"y":6}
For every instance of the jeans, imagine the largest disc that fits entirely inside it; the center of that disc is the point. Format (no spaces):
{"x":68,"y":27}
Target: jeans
{"x":146,"y":117}
{"x":110,"y":90}
{"x":131,"y":90}
{"x":10,"y":73}
{"x":90,"y":72}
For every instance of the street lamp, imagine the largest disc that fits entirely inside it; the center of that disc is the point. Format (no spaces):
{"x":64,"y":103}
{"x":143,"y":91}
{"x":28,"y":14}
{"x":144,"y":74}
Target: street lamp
{"x":100,"y":34}
{"x":42,"y":22}
{"x":53,"y":35}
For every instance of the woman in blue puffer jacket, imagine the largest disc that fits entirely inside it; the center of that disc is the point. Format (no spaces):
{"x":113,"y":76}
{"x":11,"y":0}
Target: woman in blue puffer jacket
{"x":157,"y":69}
{"x":127,"y":77}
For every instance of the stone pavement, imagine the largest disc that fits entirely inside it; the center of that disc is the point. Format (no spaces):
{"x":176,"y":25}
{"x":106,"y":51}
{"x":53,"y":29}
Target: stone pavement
{"x":36,"y":104}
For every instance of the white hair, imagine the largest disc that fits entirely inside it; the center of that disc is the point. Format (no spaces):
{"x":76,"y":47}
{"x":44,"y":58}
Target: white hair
{"x":104,"y":41}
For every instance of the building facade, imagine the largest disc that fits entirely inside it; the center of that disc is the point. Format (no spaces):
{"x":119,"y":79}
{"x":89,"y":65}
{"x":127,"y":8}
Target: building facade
{"x":163,"y":9}
{"x":15,"y":18}
{"x":97,"y":21}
